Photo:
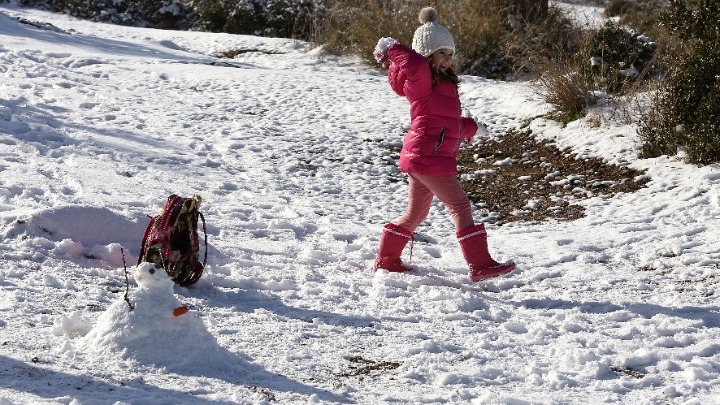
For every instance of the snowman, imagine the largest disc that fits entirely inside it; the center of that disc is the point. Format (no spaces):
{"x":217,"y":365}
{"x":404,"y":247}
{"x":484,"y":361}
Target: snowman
{"x":159,"y":330}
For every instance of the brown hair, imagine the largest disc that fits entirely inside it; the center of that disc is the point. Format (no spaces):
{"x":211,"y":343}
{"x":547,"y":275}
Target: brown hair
{"x":446,"y":76}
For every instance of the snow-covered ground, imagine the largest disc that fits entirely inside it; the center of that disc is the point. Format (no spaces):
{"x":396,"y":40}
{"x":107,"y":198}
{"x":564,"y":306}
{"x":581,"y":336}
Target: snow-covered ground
{"x":586,"y":12}
{"x":290,"y":151}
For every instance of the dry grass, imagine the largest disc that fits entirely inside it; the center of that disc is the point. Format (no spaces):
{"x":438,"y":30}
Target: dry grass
{"x":354,"y":26}
{"x":479,"y":28}
{"x":566,"y":90}
{"x":532,"y":49}
{"x":486,"y":44}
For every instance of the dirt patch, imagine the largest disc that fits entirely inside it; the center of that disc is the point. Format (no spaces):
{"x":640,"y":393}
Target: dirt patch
{"x":232,"y":53}
{"x":627,"y":372}
{"x":363,"y":367}
{"x":520,"y":178}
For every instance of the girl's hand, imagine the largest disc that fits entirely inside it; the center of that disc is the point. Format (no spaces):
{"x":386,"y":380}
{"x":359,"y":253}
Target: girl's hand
{"x":380,"y":52}
{"x":482,"y":129}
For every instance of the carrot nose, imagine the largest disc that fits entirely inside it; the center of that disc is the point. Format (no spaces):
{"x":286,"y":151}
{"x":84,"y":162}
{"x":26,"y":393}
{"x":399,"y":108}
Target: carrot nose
{"x":180,"y":310}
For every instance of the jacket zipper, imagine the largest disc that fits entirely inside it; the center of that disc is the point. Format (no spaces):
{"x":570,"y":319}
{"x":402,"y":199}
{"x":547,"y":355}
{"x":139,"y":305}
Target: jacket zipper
{"x":439,"y":142}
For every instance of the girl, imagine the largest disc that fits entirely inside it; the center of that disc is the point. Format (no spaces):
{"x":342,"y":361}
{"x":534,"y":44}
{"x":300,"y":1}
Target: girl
{"x":425,"y":76}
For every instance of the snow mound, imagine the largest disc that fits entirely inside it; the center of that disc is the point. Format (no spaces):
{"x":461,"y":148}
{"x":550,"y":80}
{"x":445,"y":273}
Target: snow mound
{"x":87,"y":225}
{"x":152,"y":333}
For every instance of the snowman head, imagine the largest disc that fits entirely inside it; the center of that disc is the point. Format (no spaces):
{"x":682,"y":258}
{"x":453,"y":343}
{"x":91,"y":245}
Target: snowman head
{"x":148,"y":276}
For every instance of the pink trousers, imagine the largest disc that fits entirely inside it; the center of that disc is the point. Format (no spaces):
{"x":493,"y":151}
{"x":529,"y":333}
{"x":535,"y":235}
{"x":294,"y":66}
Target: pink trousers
{"x":420,"y":195}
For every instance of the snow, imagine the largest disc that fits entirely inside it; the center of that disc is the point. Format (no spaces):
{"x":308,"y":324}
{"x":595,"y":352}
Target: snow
{"x":290,"y":151}
{"x":586,"y":12}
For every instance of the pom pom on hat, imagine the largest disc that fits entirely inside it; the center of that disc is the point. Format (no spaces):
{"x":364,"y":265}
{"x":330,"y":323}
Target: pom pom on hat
{"x":431,"y":36}
{"x":428,"y":14}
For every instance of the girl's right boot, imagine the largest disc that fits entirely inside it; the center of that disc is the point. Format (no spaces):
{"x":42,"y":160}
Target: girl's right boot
{"x":473,"y":241}
{"x":392,"y":242}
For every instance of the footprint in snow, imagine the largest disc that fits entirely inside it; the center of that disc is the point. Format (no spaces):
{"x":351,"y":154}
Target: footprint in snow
{"x":433,"y":252}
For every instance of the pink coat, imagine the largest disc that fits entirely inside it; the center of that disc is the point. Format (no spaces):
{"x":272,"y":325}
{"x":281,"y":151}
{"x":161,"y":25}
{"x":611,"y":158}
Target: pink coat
{"x":431,"y":145}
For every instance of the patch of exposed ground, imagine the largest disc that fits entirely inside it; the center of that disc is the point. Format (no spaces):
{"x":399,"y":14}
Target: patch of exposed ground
{"x":520,"y":178}
{"x":364,"y":367}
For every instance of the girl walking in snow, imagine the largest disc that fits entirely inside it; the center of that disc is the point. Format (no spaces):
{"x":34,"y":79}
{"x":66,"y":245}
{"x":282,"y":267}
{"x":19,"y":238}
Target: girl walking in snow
{"x":424,"y":74}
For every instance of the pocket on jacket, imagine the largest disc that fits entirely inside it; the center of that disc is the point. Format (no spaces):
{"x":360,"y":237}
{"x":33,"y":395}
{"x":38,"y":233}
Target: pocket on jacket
{"x":439,"y":141}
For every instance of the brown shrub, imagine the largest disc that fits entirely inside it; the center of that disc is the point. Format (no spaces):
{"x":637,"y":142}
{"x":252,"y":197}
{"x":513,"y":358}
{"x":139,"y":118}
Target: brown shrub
{"x":567,"y":91}
{"x":486,"y":43}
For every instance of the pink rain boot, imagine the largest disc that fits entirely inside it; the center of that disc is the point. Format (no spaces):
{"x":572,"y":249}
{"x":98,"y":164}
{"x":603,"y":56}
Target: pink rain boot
{"x":473,"y":242}
{"x":393,"y":241}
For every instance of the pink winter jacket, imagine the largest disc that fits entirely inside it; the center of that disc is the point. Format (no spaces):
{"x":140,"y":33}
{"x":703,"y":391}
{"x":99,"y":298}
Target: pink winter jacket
{"x":431,"y":145}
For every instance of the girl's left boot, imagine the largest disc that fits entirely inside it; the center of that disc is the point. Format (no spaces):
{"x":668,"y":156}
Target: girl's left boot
{"x":392,"y":242}
{"x":473,"y":241}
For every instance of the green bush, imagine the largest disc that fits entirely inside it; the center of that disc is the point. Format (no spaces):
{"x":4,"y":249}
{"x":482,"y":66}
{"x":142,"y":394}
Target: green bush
{"x":52,"y":5}
{"x":278,"y":18}
{"x":614,"y":57}
{"x":687,"y":113}
{"x":148,"y":13}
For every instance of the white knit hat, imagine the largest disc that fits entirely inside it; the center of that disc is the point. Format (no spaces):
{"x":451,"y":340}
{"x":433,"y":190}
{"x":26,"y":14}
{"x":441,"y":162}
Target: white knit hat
{"x":431,"y":36}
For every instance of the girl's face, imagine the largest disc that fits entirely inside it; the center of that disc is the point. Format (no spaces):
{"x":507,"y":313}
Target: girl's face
{"x":442,"y":59}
